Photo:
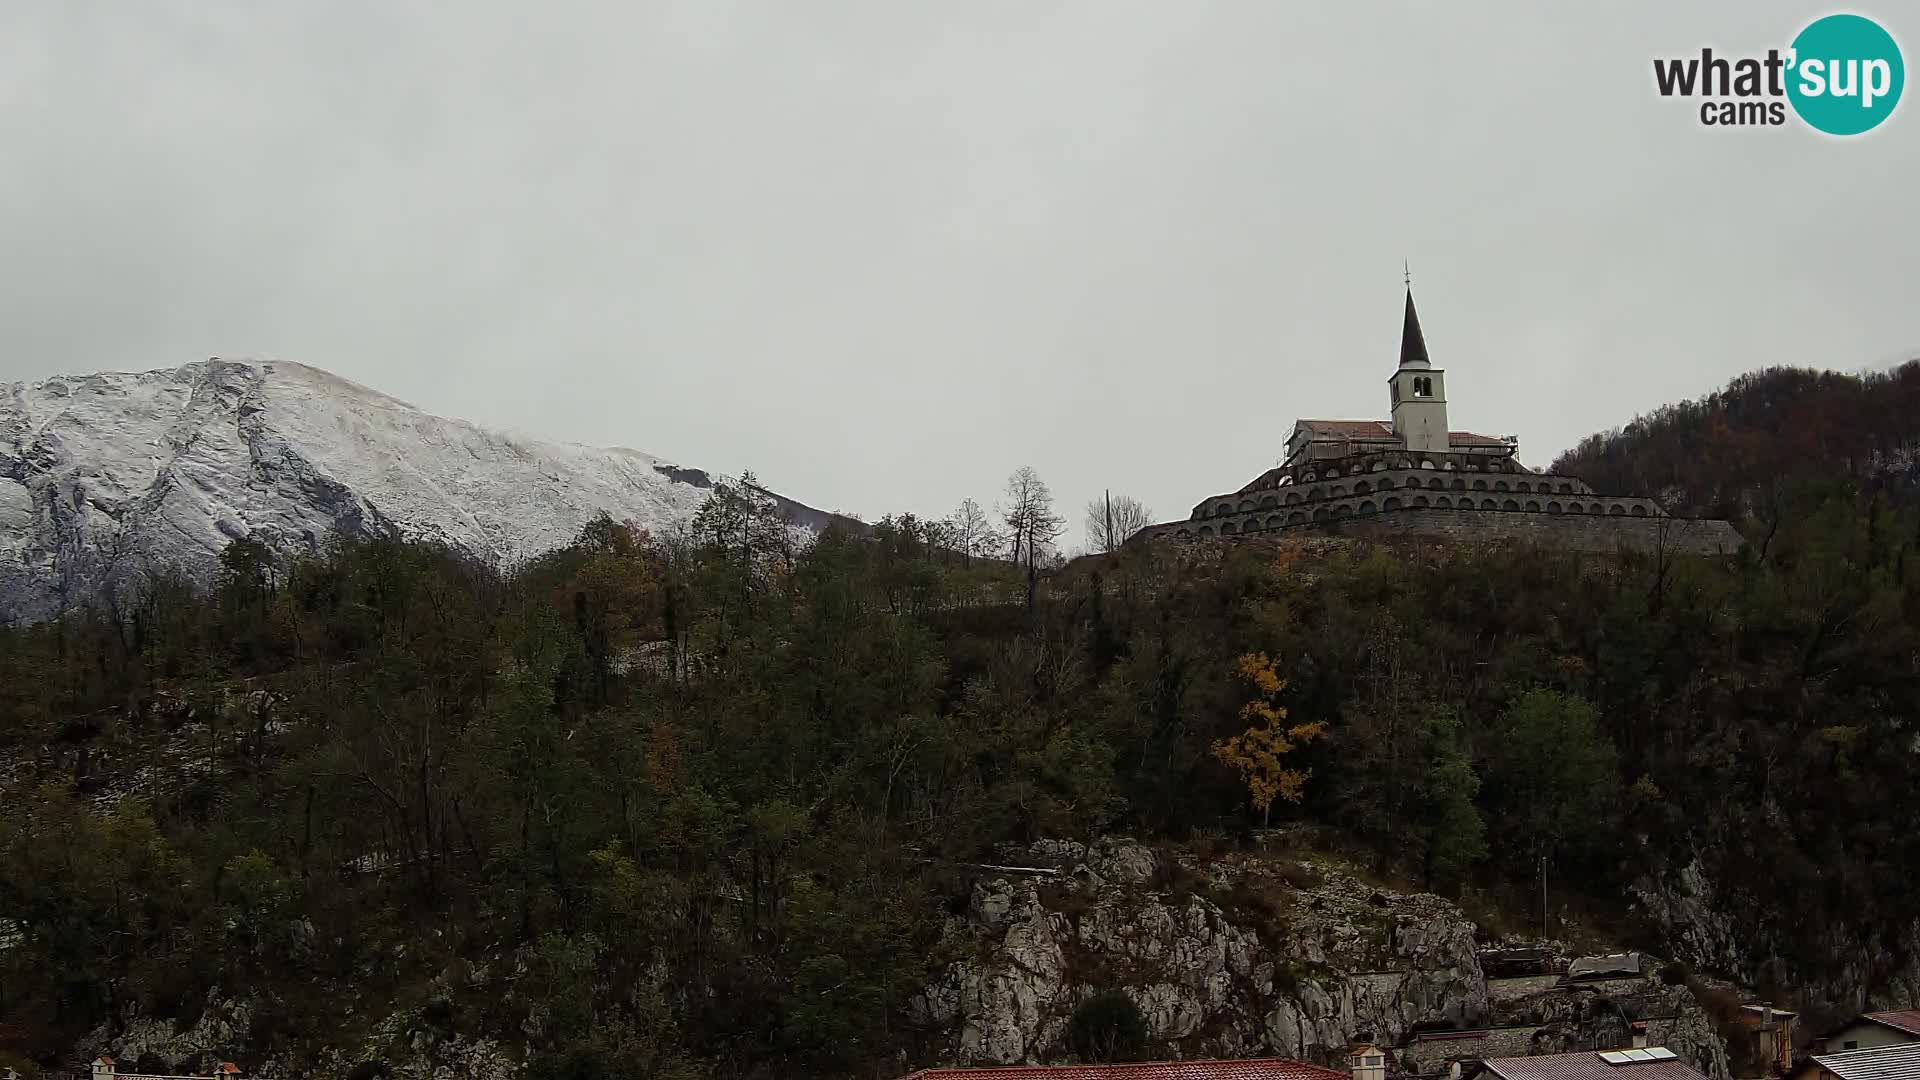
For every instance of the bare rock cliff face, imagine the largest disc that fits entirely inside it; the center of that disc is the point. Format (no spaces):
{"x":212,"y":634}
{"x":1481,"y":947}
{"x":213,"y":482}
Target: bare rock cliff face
{"x":1715,"y":925}
{"x":1236,"y":963}
{"x":198,"y":1048}
{"x":1250,"y":956}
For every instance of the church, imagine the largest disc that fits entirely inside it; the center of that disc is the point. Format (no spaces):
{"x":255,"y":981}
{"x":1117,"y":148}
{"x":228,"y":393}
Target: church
{"x":1414,"y":476}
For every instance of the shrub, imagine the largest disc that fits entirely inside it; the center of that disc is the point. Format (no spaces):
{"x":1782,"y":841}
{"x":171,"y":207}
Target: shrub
{"x":1300,"y":875}
{"x":1170,"y":876}
{"x":1108,"y":1027}
{"x":1066,"y":899}
{"x":1260,"y":905}
{"x":438,"y":1014}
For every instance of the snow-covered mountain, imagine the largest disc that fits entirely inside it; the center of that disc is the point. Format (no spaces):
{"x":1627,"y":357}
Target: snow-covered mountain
{"x":105,"y":477}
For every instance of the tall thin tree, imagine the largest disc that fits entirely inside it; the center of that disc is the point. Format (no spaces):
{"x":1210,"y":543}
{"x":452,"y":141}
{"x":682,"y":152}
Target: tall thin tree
{"x":1031,"y":522}
{"x":1111,"y":520}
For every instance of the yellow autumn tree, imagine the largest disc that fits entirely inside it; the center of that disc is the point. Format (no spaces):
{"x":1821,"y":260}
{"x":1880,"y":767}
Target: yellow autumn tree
{"x":1259,"y":753}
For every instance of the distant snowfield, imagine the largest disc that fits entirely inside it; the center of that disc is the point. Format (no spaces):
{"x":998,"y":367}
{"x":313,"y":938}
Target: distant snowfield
{"x":105,"y":477}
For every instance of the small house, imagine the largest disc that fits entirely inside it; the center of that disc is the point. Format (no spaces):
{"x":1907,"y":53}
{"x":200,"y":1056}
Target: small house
{"x":1769,"y":1037}
{"x":1895,"y":1061}
{"x":1647,"y":1063}
{"x":1257,"y":1069}
{"x":1868,"y":1030}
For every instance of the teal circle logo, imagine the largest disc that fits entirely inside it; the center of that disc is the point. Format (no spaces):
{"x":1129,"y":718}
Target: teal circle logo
{"x":1846,"y":74}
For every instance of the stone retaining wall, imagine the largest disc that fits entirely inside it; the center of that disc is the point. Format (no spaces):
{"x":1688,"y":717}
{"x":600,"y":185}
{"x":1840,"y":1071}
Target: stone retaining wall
{"x":1503,"y":991}
{"x":1323,"y":502}
{"x":1427,"y":1055}
{"x":1577,"y":533}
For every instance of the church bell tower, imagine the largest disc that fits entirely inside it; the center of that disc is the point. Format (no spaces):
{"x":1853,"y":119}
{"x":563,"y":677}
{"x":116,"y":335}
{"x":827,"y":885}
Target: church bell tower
{"x":1419,"y":391}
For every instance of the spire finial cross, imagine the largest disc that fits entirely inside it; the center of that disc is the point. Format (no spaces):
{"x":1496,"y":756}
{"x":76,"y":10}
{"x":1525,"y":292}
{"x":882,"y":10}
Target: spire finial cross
{"x":1409,"y":273}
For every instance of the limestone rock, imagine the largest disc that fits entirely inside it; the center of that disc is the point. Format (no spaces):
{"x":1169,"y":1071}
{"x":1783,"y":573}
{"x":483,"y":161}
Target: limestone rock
{"x":1250,"y":956}
{"x":1216,"y":968}
{"x":210,"y":1039}
{"x":1717,"y":926}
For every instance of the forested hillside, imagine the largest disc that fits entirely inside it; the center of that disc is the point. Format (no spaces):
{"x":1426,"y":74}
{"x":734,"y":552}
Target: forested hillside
{"x":1741,"y":452}
{"x":693,"y":806}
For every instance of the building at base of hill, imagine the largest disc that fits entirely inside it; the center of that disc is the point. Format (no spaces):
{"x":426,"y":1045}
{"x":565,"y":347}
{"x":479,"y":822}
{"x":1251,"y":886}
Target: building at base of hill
{"x":1642,"y":1063}
{"x":1891,"y":1061}
{"x":1249,"y":1069}
{"x":1413,"y":476}
{"x":1864,"y":1032}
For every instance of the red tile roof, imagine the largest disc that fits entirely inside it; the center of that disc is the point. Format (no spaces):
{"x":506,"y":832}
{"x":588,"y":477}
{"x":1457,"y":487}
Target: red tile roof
{"x":1588,"y":1065}
{"x":1352,"y":429}
{"x":1383,"y":429}
{"x":1260,"y":1069}
{"x":1907,"y":1020}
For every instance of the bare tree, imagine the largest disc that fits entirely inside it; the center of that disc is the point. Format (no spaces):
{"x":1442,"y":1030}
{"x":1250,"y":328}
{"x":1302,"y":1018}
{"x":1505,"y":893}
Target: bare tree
{"x":1031,"y":522}
{"x":1110,"y":520}
{"x":971,"y":531}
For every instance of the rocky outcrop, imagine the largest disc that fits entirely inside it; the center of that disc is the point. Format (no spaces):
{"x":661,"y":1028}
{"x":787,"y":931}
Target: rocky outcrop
{"x":1698,"y":931}
{"x":403,"y":1045}
{"x":196,"y":1048}
{"x":1253,"y":956}
{"x":1712,"y":926}
{"x":1227,"y":960}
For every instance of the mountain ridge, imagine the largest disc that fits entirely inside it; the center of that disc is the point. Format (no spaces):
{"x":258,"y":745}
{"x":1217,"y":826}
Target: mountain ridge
{"x":107,"y":478}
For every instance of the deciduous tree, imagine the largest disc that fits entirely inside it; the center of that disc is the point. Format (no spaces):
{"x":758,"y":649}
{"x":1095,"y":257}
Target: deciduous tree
{"x":1259,"y":754}
{"x":1032,"y":524}
{"x":971,"y":530}
{"x":1111,"y":519}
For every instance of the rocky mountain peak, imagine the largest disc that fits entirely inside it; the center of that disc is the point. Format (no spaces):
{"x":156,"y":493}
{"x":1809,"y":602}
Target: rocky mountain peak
{"x":110,"y":477}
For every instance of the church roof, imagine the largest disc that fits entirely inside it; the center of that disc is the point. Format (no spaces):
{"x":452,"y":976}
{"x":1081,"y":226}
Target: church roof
{"x":1383,"y":430}
{"x":1350,"y":429}
{"x":1413,"y":344}
{"x":1468,"y":438}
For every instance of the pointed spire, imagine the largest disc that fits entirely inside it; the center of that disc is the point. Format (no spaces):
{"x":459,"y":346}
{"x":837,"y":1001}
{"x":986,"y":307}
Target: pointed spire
{"x":1413,"y":344}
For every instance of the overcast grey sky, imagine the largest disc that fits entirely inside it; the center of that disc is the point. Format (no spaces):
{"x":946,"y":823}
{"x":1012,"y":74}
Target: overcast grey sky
{"x":884,"y":252}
